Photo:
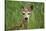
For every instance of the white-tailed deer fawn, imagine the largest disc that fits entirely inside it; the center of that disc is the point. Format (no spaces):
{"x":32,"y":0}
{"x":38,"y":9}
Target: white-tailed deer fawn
{"x":26,"y":12}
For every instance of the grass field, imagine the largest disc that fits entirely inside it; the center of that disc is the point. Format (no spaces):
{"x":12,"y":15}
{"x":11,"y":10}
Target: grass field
{"x":13,"y":14}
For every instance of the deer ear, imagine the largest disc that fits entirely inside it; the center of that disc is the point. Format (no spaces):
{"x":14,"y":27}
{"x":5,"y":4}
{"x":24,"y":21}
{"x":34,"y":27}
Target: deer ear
{"x":31,"y":7}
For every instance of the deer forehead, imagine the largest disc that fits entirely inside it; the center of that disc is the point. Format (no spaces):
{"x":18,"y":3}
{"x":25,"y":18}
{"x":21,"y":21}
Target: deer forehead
{"x":26,"y":12}
{"x":27,"y":9}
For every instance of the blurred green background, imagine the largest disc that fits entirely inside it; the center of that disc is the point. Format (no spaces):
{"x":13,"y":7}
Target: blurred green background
{"x":14,"y":15}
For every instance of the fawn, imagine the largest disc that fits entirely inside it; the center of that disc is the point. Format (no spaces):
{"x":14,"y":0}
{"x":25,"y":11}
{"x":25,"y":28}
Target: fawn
{"x":26,"y":12}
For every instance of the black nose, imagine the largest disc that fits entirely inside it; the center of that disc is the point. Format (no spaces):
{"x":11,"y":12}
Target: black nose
{"x":26,"y":18}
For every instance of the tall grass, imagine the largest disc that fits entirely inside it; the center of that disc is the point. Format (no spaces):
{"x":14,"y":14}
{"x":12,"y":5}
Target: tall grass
{"x":13,"y":14}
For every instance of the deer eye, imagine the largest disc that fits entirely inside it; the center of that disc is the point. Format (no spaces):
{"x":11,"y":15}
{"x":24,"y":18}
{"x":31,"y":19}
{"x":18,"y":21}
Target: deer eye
{"x":23,"y":13}
{"x":28,"y":13}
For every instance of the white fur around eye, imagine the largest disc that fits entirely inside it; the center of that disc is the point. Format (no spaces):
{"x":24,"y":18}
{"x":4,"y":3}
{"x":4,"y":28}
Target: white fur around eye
{"x":23,"y":13}
{"x":29,"y":13}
